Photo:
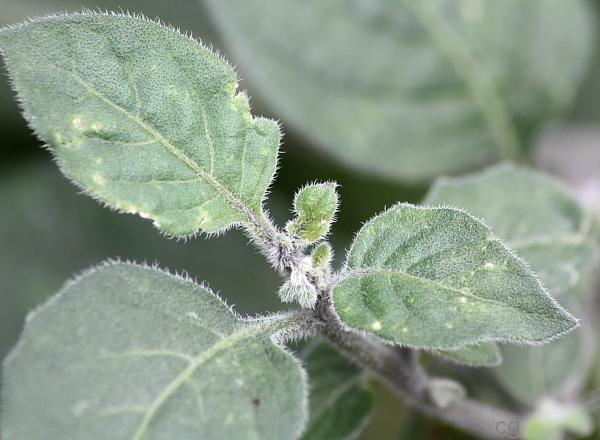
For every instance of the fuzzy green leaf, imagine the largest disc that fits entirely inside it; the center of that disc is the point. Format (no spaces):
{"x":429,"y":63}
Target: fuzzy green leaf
{"x":144,"y":119}
{"x":315,"y":206}
{"x":533,"y":214}
{"x":340,"y":405}
{"x":481,"y":355}
{"x":127,"y":352}
{"x":539,"y":219}
{"x":411,"y":89}
{"x":438,"y":278}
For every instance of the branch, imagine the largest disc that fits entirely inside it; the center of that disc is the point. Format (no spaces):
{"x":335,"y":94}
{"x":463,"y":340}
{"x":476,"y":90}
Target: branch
{"x":400,"y":371}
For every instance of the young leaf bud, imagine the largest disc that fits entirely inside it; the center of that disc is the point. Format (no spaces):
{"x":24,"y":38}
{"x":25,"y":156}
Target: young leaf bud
{"x":321,"y":257}
{"x":315,"y":206}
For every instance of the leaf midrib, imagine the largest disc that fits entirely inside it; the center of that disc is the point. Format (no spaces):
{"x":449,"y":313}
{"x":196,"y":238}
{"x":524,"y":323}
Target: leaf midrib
{"x":254,"y":220}
{"x":398,"y":273}
{"x":483,"y":90}
{"x":548,"y":240}
{"x":208,"y":178}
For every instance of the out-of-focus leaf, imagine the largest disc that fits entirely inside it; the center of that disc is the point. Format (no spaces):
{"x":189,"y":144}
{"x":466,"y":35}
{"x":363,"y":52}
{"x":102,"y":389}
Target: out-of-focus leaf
{"x":437,"y":278}
{"x":556,"y":368}
{"x":144,"y":119}
{"x":572,"y":152}
{"x":411,"y":89}
{"x":129,"y":352}
{"x":482,"y":355}
{"x":340,"y":405}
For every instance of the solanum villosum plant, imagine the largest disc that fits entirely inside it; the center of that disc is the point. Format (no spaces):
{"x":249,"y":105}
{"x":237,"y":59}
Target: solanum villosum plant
{"x":150,"y":122}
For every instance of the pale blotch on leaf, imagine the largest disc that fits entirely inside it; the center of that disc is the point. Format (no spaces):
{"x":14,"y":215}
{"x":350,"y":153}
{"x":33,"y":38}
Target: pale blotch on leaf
{"x":411,"y":266}
{"x":157,"y":113}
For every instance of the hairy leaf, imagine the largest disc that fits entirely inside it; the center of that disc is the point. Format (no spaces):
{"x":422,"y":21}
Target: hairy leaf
{"x":49,"y":231}
{"x":144,"y":119}
{"x":315,"y":207}
{"x":411,"y":89}
{"x":437,"y":278}
{"x":340,"y":406}
{"x":532,"y":213}
{"x":127,"y":352}
{"x":481,"y":355}
{"x":545,"y":224}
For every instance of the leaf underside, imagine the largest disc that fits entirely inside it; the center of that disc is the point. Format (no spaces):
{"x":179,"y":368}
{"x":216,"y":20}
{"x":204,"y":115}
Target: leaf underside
{"x":410,"y":89}
{"x":144,"y":119}
{"x":127,"y":352}
{"x":437,"y":278}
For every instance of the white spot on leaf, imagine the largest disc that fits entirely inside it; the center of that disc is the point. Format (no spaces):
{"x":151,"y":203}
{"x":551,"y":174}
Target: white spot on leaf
{"x":99,"y":179}
{"x":78,"y":123}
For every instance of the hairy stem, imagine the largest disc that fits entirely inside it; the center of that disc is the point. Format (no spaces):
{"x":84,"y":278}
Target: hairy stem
{"x":401,"y":372}
{"x":398,"y":369}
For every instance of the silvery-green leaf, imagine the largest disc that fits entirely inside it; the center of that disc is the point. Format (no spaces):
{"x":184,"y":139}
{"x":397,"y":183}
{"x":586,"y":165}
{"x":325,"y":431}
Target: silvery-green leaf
{"x":481,"y":355}
{"x":411,"y":89}
{"x":144,"y":119}
{"x":532,"y":213}
{"x":340,"y":405}
{"x":127,"y":352}
{"x":438,"y":278}
{"x":315,"y":206}
{"x":558,"y":368}
{"x":545,"y":224}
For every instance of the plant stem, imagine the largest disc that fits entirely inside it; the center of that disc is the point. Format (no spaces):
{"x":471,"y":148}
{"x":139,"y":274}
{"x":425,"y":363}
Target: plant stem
{"x":401,"y":372}
{"x":398,"y":369}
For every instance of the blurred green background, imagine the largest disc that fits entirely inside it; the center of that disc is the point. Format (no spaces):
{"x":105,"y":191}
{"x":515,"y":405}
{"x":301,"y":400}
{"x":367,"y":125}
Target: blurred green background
{"x":48,"y":231}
